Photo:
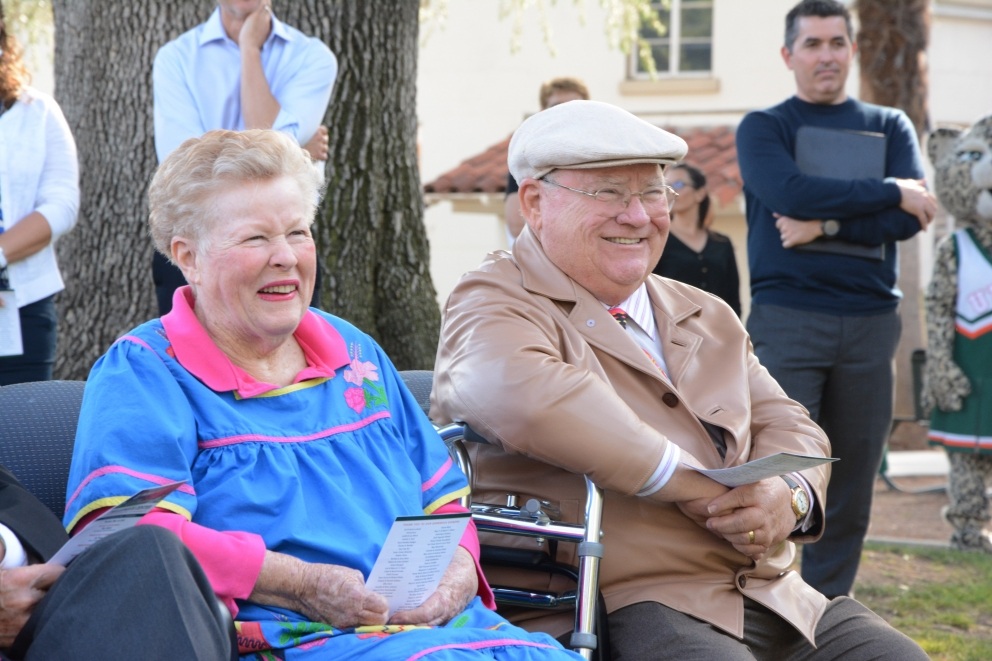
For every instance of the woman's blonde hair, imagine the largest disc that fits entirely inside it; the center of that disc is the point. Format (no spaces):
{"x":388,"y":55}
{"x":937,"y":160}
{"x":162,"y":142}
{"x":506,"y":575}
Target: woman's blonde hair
{"x":180,"y":197}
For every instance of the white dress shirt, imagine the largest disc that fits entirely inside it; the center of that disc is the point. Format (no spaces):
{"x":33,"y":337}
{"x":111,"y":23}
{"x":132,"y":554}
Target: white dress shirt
{"x":197,"y":83}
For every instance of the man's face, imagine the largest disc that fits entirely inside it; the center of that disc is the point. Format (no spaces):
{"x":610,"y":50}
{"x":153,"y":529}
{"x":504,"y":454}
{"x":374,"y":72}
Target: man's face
{"x":820,"y":59}
{"x":239,"y":9}
{"x":608,"y":249}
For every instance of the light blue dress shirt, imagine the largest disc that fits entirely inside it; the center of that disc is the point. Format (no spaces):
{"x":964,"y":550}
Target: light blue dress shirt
{"x":197,"y":83}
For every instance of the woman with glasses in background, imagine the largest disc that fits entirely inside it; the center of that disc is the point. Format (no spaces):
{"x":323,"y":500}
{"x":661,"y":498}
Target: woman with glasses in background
{"x":695,"y":254}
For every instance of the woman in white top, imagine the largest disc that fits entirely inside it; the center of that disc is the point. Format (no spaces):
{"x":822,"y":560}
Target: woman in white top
{"x":39,"y":200}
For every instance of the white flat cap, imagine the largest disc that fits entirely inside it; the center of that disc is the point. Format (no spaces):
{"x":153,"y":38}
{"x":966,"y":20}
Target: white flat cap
{"x":588,"y":134}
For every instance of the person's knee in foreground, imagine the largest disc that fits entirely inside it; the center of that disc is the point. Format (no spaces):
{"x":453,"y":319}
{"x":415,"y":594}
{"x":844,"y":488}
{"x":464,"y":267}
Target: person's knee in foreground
{"x":691,"y":566}
{"x":297,"y":440}
{"x":138,"y":594}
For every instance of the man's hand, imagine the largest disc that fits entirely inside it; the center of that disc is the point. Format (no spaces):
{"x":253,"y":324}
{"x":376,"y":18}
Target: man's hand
{"x":21,"y":589}
{"x":318,"y":144}
{"x":797,"y":232}
{"x":696,"y":510}
{"x":917,"y":200}
{"x":764,"y":508}
{"x":255,"y":29}
{"x":459,"y":585}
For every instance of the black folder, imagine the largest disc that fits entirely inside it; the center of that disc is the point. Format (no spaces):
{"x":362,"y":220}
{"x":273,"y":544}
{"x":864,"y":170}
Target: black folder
{"x":841,"y":154}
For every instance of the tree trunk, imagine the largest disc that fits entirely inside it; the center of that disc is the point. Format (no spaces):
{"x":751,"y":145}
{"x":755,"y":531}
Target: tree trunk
{"x":892,"y":42}
{"x":371,"y":238}
{"x":370,"y":230}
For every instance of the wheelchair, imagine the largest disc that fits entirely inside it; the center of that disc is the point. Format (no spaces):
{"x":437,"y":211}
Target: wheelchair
{"x":590,"y":636}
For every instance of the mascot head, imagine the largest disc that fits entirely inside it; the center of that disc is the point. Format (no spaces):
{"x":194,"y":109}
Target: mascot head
{"x":962,"y":161}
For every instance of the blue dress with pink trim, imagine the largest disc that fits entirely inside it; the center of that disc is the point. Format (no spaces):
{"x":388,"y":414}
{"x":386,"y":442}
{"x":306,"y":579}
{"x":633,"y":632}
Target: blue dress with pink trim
{"x":319,"y":469}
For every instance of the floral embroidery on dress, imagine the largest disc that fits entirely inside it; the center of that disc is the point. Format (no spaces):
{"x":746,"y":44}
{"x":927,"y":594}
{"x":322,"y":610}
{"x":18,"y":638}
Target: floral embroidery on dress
{"x":365,"y":376}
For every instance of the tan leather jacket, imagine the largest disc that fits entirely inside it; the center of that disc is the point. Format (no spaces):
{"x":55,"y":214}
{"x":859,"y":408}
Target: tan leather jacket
{"x":536,"y":364}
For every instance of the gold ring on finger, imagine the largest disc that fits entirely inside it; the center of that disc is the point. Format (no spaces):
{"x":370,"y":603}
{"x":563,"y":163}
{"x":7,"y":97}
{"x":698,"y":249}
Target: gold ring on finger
{"x":750,"y":537}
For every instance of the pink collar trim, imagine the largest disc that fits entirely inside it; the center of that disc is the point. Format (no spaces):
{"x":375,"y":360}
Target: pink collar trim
{"x":324,"y":348}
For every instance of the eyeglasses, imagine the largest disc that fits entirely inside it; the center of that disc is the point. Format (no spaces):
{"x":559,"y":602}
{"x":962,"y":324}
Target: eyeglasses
{"x":679,"y":185}
{"x":651,"y":199}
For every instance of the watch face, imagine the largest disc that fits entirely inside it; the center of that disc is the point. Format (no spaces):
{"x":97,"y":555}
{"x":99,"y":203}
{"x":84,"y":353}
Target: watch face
{"x":801,"y":501}
{"x":831,"y":227}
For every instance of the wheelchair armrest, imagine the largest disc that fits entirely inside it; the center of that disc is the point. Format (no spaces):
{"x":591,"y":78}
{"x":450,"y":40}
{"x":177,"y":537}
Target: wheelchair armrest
{"x":507,"y":596}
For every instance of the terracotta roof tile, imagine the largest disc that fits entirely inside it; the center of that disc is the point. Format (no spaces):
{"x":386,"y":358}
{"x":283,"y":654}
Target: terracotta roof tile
{"x":711,"y":148}
{"x":483,"y":173}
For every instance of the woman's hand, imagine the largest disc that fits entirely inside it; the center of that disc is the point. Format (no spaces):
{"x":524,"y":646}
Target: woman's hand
{"x":459,"y":585}
{"x":331,"y":594}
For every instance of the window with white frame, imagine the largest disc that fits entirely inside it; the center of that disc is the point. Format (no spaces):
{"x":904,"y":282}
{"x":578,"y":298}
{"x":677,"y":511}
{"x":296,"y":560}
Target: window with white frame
{"x":686,"y":47}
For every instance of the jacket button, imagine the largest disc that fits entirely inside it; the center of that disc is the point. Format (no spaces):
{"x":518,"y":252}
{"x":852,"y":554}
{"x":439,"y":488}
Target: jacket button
{"x":742,"y":581}
{"x":670,"y":400}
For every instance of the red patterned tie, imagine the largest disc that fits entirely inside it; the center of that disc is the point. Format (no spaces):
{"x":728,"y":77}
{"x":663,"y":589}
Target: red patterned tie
{"x":620,"y":316}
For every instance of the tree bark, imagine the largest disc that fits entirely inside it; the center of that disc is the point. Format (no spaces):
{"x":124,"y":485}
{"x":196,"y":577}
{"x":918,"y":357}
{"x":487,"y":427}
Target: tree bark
{"x":892,"y":42}
{"x":370,"y":234}
{"x":370,"y":230}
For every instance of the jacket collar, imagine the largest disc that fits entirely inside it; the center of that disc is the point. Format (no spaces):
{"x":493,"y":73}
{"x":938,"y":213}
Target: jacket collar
{"x":540,"y":276}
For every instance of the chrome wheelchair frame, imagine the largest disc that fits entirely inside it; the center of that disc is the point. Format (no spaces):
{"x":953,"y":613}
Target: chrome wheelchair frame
{"x":529,"y":520}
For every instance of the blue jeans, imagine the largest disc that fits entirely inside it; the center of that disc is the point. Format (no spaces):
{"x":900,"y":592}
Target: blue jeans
{"x":840,"y":369}
{"x":39,"y":331}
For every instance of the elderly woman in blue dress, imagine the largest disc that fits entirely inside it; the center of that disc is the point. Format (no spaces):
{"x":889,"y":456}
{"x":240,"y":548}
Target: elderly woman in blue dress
{"x":298,"y":443}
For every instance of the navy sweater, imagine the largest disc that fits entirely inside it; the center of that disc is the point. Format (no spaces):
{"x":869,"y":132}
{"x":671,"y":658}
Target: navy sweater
{"x":868,"y":209}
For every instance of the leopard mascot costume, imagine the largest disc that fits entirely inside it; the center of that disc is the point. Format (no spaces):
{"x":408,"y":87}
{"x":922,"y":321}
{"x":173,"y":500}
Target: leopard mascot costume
{"x":958,"y":381}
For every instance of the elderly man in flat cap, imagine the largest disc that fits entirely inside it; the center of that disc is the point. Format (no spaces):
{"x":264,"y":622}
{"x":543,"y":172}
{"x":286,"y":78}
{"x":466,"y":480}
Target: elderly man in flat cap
{"x":572,"y":358}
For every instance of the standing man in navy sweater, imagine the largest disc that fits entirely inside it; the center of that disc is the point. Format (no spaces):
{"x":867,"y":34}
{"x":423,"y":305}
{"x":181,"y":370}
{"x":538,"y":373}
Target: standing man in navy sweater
{"x":826,"y":324}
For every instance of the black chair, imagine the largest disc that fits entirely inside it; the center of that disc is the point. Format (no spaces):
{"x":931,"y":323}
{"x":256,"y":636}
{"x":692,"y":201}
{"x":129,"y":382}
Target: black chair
{"x":37,"y":432}
{"x":590,"y":634}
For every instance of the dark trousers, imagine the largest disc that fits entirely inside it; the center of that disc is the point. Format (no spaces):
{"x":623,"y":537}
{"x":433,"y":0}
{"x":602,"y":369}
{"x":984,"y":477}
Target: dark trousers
{"x":138,"y":594}
{"x":39,"y":332}
{"x":848,"y":631}
{"x":168,"y":278}
{"x":840,"y":369}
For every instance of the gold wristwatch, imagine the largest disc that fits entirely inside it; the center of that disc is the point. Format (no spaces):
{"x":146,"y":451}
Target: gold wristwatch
{"x":800,"y":499}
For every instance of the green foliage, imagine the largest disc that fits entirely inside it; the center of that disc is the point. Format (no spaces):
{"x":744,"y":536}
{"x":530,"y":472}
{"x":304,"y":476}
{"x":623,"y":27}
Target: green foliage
{"x":29,"y":20}
{"x":939,"y":597}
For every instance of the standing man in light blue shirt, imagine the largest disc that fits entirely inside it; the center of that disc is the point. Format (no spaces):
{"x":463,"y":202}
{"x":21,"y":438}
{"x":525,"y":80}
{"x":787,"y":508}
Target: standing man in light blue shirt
{"x":241,"y":69}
